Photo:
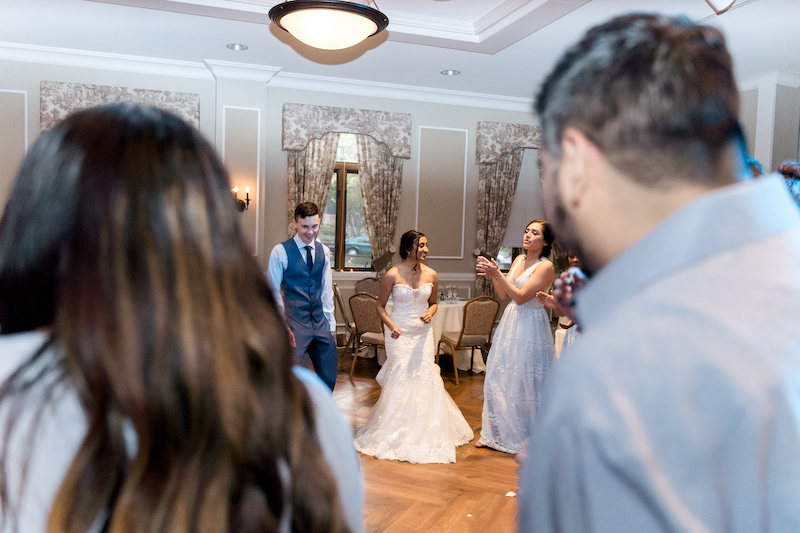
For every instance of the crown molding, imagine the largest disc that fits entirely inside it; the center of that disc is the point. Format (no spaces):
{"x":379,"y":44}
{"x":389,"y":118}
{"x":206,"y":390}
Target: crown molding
{"x":241,"y":71}
{"x":273,"y":76}
{"x":308,"y":82}
{"x":103,"y":61}
{"x":790,"y":79}
{"x":776,"y":77}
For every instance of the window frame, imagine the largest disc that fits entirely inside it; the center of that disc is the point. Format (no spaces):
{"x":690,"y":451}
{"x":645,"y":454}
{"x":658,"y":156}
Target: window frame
{"x":342,"y":169}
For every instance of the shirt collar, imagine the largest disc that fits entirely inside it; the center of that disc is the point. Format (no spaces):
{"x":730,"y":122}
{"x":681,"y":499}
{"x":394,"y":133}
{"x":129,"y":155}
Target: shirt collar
{"x":301,"y":245}
{"x":722,"y":219}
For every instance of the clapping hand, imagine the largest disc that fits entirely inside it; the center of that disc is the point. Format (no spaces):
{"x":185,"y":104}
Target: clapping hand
{"x":564,"y":289}
{"x":487,"y":267}
{"x":548,"y":300}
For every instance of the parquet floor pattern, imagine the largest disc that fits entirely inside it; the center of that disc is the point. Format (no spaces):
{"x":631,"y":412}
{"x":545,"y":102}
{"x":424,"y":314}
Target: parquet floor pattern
{"x":468,"y":496}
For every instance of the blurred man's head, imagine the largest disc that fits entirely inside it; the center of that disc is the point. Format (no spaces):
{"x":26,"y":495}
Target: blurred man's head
{"x":642,"y":98}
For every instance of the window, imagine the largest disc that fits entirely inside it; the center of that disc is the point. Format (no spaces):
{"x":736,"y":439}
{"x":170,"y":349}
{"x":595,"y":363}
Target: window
{"x":505,"y":257}
{"x":344,"y":226}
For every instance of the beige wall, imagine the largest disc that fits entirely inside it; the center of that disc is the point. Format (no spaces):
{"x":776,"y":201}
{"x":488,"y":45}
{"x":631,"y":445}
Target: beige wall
{"x":748,"y":114}
{"x":422,"y":114}
{"x":13,"y":140}
{"x":787,"y":125}
{"x":242,"y":119}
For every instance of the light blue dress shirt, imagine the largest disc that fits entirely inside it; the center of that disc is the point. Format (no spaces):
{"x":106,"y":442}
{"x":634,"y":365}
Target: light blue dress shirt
{"x":678,"y":409}
{"x":279,"y":262}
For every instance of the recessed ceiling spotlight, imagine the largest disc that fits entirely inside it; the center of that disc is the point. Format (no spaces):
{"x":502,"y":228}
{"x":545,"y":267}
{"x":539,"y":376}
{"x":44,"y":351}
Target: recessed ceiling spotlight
{"x":237,"y":47}
{"x":449,"y":72}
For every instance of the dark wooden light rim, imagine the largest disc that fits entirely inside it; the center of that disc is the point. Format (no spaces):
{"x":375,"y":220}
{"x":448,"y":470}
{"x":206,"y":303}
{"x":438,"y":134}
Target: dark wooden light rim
{"x":283,"y":9}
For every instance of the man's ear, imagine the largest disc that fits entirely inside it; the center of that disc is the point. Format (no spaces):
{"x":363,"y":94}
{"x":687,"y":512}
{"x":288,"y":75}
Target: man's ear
{"x":580,"y":160}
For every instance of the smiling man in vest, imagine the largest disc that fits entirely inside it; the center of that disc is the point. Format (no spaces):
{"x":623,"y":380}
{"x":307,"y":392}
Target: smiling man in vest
{"x":300,"y":273}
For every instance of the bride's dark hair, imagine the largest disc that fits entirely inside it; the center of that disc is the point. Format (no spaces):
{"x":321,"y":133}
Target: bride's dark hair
{"x":121,"y":238}
{"x":408,"y":241}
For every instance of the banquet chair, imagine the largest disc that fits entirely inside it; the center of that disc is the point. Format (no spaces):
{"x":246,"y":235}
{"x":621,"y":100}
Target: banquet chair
{"x":368,"y":285}
{"x":368,"y":325}
{"x":348,"y":326}
{"x":476,"y":330}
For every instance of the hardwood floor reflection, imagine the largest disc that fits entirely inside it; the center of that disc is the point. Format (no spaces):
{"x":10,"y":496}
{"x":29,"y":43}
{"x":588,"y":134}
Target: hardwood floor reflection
{"x":468,"y":496}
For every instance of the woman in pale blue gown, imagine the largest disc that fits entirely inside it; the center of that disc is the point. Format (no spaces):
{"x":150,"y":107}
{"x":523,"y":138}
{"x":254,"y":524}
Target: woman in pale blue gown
{"x":522,"y":347}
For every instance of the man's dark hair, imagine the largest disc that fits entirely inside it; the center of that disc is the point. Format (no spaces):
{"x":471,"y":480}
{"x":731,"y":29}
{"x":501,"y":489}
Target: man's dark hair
{"x":306,"y":209}
{"x":656,"y":94}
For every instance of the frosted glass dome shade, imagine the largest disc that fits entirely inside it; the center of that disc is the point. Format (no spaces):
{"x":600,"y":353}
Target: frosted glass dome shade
{"x":328,"y":24}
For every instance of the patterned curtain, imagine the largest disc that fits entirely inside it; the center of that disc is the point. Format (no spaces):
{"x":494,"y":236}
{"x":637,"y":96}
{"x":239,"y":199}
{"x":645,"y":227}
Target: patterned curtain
{"x":497,"y":184}
{"x":310,"y":172}
{"x":381,"y":175}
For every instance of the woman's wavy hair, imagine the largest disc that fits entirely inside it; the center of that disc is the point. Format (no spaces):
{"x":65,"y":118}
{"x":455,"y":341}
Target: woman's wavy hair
{"x":408,"y":241}
{"x":547,"y":233}
{"x":122,"y":239}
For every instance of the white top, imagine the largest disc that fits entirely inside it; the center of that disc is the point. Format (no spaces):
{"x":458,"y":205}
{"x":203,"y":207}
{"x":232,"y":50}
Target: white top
{"x":279,"y":262}
{"x":678,"y":409}
{"x":62,"y":427}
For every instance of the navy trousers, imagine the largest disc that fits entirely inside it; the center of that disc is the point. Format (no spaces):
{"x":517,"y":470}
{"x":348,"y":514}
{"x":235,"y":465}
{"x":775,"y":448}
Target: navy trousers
{"x":317,"y":341}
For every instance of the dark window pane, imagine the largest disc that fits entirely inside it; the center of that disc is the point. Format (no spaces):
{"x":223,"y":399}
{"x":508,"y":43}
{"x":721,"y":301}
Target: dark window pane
{"x":327,"y":230}
{"x":357,"y":250}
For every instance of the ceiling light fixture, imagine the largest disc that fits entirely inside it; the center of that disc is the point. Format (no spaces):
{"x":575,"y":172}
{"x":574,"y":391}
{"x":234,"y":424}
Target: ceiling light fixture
{"x":328,"y":24}
{"x":237,"y":47}
{"x":450,"y":72}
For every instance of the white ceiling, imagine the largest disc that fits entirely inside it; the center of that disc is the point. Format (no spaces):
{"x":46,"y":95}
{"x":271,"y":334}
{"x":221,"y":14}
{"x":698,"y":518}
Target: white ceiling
{"x":762,"y":36}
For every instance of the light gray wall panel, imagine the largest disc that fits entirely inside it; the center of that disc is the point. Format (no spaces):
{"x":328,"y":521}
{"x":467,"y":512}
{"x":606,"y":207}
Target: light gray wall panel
{"x":787,"y":125}
{"x":441,"y":190}
{"x":242,"y":153}
{"x":13,"y":139}
{"x":748,"y":114}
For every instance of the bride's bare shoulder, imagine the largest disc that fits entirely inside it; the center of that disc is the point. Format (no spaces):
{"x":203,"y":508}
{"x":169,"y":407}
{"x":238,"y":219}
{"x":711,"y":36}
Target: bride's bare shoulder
{"x":429,"y":274}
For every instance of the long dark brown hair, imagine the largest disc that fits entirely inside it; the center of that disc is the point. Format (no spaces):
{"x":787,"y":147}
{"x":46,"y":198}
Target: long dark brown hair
{"x":121,"y":238}
{"x":547,"y":234}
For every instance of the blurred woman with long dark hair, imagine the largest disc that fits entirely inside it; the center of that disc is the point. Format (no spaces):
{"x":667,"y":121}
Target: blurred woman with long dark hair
{"x":146,"y":376}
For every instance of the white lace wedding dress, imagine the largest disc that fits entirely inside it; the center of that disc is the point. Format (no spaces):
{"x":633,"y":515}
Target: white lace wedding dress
{"x":520,"y":357}
{"x":415,"y":419}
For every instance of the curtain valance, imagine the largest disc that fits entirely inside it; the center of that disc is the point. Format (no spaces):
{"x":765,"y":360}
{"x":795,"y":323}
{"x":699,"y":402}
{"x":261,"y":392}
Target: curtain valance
{"x":496,"y":139}
{"x":59,"y":99}
{"x":303,"y":123}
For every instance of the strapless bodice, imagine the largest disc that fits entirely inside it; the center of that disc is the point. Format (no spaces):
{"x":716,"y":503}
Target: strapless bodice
{"x":410,"y":301}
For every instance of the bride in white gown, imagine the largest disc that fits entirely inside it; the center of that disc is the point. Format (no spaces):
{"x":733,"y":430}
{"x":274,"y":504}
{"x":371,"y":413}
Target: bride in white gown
{"x":415,"y":419}
{"x":522,"y":348}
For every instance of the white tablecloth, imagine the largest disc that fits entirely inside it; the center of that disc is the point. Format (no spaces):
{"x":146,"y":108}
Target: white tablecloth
{"x":448,"y":317}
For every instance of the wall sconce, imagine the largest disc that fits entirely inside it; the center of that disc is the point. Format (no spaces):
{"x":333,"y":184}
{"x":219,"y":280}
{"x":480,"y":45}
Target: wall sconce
{"x":241,"y":205}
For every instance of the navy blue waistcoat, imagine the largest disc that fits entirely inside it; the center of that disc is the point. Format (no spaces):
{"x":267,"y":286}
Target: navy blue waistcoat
{"x":302,"y":289}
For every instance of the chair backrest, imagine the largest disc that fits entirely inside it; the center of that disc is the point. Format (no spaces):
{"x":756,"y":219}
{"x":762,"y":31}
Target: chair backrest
{"x":365,"y":315}
{"x":479,"y":315}
{"x":368,"y":285}
{"x":340,"y":304}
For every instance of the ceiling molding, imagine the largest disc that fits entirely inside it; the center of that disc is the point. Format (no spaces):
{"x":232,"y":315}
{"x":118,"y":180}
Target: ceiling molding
{"x":104,"y":61}
{"x":273,"y":76}
{"x":241,"y":71}
{"x":790,"y":79}
{"x":501,"y":27}
{"x":398,"y":92}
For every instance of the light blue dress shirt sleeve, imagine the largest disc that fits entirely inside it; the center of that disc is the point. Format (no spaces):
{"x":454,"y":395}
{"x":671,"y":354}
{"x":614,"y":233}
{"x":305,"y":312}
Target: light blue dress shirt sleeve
{"x":278,"y":262}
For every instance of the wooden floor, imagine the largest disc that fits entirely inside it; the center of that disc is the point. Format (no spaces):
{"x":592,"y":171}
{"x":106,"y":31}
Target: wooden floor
{"x":467,"y":496}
